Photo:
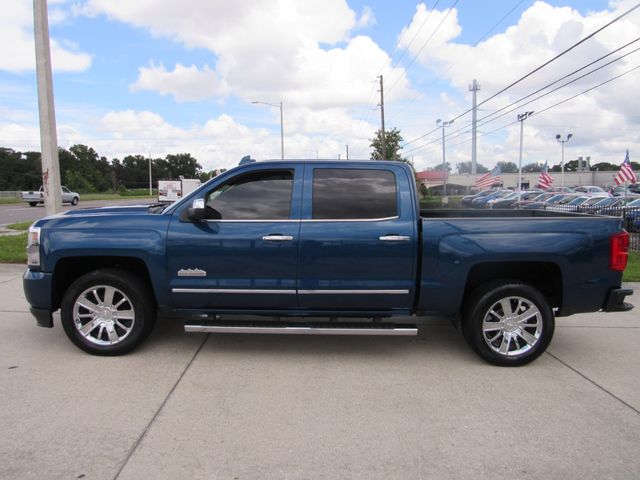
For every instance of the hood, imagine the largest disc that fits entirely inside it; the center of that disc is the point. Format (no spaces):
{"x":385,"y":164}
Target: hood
{"x":124,"y":209}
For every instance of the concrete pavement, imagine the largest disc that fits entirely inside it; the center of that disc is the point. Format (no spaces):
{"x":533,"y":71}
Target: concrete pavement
{"x":262,"y":407}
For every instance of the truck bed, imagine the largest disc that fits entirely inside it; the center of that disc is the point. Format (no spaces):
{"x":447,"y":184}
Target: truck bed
{"x":566,"y":255}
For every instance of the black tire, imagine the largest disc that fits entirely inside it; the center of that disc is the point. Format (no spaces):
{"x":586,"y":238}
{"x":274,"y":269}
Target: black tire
{"x":116,"y":325}
{"x":33,"y":204}
{"x":523,"y":334}
{"x":74,"y":202}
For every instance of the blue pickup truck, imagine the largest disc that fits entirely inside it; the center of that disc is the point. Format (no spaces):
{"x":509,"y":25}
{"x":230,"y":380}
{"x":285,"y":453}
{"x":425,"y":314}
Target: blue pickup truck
{"x":321,"y":247}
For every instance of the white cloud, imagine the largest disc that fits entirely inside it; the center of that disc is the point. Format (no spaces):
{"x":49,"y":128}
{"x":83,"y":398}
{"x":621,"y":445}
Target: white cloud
{"x":300,"y":52}
{"x":367,"y":18}
{"x":601,"y":121}
{"x":17,"y":50}
{"x":185,"y":84}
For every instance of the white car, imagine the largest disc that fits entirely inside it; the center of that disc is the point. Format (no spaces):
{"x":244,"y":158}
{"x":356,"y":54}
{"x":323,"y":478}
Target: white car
{"x":591,"y":191}
{"x":33,"y":198}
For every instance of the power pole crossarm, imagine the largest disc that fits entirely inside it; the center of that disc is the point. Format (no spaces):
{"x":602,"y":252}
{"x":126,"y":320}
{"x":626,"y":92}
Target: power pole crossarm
{"x":48,"y":136}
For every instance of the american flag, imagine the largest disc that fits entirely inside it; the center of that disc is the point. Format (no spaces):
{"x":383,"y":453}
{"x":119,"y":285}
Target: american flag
{"x":545,"y":180}
{"x":626,"y":173}
{"x":489,"y":178}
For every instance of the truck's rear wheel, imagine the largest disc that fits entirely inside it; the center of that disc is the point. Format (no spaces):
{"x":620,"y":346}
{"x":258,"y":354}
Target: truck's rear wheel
{"x":33,"y":204}
{"x":508,"y":323}
{"x":107,"y":312}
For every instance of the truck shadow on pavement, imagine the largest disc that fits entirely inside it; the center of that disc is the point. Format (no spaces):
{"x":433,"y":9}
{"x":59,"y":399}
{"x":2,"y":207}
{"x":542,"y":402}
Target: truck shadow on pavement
{"x":437,"y":337}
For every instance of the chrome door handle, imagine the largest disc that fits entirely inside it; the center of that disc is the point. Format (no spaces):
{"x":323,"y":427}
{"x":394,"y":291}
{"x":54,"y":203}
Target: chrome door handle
{"x":395,"y":238}
{"x":277,"y":238}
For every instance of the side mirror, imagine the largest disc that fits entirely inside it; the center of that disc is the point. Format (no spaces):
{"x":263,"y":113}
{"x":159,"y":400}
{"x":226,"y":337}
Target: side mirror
{"x":196,"y":212}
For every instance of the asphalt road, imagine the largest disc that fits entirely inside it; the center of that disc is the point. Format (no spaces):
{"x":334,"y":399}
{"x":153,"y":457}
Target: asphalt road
{"x":22,"y":212}
{"x":310,"y":407}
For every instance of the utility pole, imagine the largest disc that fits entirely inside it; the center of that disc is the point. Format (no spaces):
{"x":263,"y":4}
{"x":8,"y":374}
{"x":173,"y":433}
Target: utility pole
{"x":150,"y":181}
{"x":48,"y":136}
{"x":445,"y":172}
{"x":474,"y":87}
{"x":521,"y":118}
{"x":382,"y":136}
{"x":347,"y":152}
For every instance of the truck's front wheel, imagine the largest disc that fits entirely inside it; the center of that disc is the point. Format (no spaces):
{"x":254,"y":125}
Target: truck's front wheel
{"x":107,"y":312}
{"x":508,"y":323}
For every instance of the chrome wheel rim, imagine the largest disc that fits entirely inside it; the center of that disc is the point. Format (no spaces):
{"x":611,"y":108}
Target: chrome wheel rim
{"x":512,"y":326}
{"x":103,"y":315}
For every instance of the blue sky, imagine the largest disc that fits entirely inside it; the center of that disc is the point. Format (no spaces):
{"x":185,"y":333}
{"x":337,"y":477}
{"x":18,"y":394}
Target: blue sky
{"x":168,"y":76}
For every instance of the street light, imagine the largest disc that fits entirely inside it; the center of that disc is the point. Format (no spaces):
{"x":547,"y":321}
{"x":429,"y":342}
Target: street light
{"x":443,"y":124}
{"x":281,"y":124}
{"x":521,"y":118}
{"x":559,"y":138}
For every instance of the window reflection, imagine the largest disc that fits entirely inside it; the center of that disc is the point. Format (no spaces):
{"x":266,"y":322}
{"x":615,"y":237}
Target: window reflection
{"x":256,"y":196}
{"x":353,"y":194}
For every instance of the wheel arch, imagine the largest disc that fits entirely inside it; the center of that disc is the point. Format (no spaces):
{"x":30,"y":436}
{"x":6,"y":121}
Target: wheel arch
{"x":544,"y":276}
{"x":67,"y":270}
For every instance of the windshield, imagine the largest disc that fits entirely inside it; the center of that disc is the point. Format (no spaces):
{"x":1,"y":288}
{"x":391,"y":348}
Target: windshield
{"x":575,"y":201}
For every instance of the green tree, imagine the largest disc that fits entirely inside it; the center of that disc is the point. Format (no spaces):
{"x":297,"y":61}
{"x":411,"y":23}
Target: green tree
{"x":392,"y":140}
{"x":508,"y":167}
{"x":532,"y":168}
{"x":183,"y":165}
{"x":465,"y":167}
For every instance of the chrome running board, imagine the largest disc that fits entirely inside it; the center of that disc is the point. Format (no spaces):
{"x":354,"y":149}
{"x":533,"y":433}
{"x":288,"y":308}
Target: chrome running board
{"x":302,"y":328}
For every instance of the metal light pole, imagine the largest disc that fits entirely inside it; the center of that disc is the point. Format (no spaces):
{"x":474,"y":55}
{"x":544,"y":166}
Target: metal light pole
{"x":521,"y":118}
{"x":281,"y":124}
{"x":559,"y":138}
{"x":442,"y":124}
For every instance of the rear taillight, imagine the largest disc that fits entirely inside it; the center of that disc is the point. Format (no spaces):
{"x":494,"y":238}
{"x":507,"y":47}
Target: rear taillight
{"x":619,"y":251}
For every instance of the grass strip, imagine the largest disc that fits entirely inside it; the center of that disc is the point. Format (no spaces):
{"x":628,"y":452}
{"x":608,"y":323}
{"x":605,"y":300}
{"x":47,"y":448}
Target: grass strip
{"x":13,"y":248}
{"x":20,"y":226}
{"x":632,"y":273}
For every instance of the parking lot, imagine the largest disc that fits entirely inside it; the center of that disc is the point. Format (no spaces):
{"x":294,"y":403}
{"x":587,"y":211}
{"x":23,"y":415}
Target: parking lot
{"x":261,"y":407}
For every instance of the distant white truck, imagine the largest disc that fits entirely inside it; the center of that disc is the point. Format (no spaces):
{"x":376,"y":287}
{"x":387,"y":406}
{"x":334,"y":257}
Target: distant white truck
{"x":172,"y":190}
{"x":36,"y":197}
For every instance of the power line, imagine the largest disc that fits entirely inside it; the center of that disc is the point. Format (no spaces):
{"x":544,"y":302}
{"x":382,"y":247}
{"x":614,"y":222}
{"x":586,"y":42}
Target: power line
{"x":512,"y":104}
{"x":548,"y":62}
{"x":413,"y":59}
{"x":540,"y":112}
{"x":475,"y":44}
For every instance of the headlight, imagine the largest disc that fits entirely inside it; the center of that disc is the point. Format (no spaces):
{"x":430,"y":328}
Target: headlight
{"x":33,"y":247}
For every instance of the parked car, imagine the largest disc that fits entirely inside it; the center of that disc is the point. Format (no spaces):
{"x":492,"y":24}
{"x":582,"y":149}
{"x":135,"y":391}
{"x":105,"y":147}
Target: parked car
{"x":598,"y":204}
{"x":546,"y":202}
{"x":628,"y":192}
{"x":571,"y":203}
{"x":535,"y":198}
{"x":467,"y":199}
{"x":34,"y":198}
{"x":482,"y":201}
{"x":591,"y":191}
{"x":290,"y":241}
{"x":560,"y":190}
{"x":509,"y":200}
{"x":632,"y":216}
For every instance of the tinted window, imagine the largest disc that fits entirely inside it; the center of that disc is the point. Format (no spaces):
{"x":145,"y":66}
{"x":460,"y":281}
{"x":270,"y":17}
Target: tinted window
{"x":256,"y":196}
{"x":353,"y":194}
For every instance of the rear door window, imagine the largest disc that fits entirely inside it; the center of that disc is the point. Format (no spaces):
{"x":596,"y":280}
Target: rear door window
{"x":353,"y":194}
